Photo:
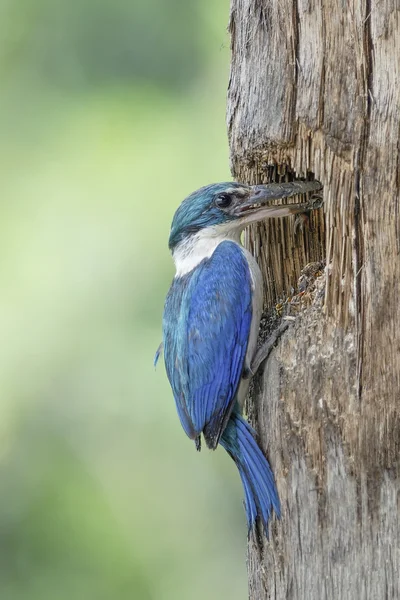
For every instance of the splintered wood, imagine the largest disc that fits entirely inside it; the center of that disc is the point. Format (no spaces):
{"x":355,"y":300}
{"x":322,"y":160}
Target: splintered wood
{"x":315,"y":92}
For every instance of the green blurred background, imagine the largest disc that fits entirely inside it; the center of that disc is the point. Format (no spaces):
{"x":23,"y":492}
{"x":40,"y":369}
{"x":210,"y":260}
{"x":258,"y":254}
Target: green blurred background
{"x":110,"y":114}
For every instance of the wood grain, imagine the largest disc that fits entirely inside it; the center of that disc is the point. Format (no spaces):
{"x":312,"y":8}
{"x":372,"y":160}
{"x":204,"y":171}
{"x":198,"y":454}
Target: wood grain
{"x":315,"y":89}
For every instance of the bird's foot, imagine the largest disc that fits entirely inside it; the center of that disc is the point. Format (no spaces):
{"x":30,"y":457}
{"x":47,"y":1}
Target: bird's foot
{"x":263,"y":352}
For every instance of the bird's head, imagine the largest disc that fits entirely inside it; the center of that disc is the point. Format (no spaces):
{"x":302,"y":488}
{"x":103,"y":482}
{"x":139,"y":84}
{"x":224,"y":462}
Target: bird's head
{"x":223,"y":209}
{"x":218,"y":207}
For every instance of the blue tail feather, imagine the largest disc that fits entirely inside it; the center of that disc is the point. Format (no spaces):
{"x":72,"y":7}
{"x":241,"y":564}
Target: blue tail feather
{"x":257,"y":478}
{"x":249,"y":502}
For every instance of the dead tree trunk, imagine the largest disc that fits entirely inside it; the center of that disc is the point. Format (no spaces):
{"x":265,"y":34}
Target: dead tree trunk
{"x":315,"y":88}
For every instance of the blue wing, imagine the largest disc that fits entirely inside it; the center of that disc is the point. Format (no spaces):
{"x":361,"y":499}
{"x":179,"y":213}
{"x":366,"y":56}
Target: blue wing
{"x":207,"y":320}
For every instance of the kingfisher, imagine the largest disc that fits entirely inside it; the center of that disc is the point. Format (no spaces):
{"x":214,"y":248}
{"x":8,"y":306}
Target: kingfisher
{"x":211,"y":323}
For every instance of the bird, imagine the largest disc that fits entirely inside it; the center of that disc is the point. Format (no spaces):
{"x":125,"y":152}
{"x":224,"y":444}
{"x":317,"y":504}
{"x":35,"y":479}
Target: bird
{"x":211,"y":323}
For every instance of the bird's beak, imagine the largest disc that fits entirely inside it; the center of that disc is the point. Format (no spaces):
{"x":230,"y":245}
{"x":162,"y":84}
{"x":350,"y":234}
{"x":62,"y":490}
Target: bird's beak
{"x":256,"y":206}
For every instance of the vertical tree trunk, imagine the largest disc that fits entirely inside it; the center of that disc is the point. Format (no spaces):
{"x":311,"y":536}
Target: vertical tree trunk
{"x":315,"y":88}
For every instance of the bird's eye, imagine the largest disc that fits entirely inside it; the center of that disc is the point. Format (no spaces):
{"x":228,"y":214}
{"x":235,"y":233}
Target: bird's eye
{"x":223,"y":200}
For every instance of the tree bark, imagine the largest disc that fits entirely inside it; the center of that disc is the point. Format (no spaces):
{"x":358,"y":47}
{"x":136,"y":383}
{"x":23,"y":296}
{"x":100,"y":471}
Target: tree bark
{"x":315,"y":89}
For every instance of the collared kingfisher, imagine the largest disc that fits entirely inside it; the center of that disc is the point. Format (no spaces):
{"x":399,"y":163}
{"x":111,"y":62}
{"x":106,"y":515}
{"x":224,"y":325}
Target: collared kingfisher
{"x":211,"y":322}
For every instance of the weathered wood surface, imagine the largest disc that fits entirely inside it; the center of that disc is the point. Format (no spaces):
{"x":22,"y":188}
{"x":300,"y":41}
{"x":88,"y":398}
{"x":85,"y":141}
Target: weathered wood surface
{"x":315,"y":88}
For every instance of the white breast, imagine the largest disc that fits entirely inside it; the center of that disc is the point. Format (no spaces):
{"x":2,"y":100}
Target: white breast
{"x":193,"y":250}
{"x":258,"y":295}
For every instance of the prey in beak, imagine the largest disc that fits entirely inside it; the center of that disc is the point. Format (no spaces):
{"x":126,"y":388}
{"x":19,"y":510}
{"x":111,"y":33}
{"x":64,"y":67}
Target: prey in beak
{"x":257,"y":205}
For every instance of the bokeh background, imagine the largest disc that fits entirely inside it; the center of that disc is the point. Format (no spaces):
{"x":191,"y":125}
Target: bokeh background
{"x":110,"y":114}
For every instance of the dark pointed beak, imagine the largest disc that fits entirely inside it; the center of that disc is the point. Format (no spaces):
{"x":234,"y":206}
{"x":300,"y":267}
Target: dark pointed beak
{"x":261,"y":195}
